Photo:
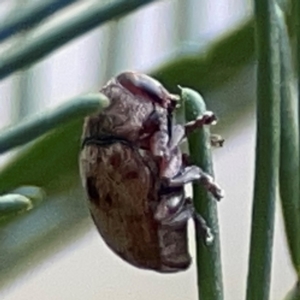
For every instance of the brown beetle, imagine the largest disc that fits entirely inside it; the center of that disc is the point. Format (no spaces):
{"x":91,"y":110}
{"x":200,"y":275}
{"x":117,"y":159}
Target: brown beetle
{"x":134,"y":174}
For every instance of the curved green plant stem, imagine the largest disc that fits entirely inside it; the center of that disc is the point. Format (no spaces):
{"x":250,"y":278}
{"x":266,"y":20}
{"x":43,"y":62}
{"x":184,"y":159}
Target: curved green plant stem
{"x":39,"y":45}
{"x":209,"y":271}
{"x":289,"y":147}
{"x":13,"y":204}
{"x":33,"y":128}
{"x":267,"y":151}
{"x":29,"y":16}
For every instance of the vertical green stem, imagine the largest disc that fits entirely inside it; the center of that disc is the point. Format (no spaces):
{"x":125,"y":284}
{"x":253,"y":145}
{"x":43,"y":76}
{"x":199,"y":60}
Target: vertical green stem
{"x":289,"y":147}
{"x":296,"y":25}
{"x":209,"y":271}
{"x":267,"y":150}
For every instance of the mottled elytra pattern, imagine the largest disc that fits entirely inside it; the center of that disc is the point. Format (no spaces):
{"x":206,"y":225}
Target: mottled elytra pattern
{"x":122,"y":205}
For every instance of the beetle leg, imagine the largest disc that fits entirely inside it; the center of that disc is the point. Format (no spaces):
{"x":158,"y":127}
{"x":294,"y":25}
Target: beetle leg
{"x":178,"y":220}
{"x":194,"y":173}
{"x":156,"y":144}
{"x":188,"y":174}
{"x":179,"y":132}
{"x":174,"y":211}
{"x":159,"y":144}
{"x":154,"y":135}
{"x":170,"y":206}
{"x":171,"y":165}
{"x":208,"y":118}
{"x":200,"y":222}
{"x":171,"y":161}
{"x":186,"y":160}
{"x":151,"y":124}
{"x":203,"y":228}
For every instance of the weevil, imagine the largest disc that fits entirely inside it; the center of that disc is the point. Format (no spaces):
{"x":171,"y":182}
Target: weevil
{"x":134,"y":174}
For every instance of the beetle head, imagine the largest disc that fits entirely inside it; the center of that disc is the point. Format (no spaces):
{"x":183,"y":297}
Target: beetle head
{"x":143,"y":85}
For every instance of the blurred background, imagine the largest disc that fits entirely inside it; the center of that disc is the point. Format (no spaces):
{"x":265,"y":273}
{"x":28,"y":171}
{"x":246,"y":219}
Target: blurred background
{"x":54,"y":251}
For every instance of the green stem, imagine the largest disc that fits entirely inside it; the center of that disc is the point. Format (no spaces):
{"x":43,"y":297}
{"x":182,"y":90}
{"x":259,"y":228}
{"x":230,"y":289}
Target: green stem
{"x":19,"y":201}
{"x":267,"y":151}
{"x":209,"y":271}
{"x":296,"y":23}
{"x":29,"y":16}
{"x":36,"y":46}
{"x":13,"y":204}
{"x":289,"y":147}
{"x":40,"y":124}
{"x":296,"y":29}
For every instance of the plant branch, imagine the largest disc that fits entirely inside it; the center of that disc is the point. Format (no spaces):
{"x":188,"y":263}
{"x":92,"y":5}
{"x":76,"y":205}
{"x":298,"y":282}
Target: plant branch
{"x":30,"y":16}
{"x":40,"y":124}
{"x":36,"y":46}
{"x":289,"y":146}
{"x":267,"y":151}
{"x":296,"y":30}
{"x":13,"y":204}
{"x":209,"y":271}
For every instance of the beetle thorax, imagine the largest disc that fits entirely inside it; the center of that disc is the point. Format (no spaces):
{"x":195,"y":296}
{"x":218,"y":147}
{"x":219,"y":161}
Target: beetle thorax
{"x":125,"y":116}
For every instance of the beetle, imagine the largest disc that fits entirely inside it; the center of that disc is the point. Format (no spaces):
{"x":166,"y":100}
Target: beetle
{"x":134,"y":174}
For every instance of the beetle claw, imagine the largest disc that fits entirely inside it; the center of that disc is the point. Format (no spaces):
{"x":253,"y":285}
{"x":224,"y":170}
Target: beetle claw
{"x":203,"y":228}
{"x":212,"y":186}
{"x":216,"y":140}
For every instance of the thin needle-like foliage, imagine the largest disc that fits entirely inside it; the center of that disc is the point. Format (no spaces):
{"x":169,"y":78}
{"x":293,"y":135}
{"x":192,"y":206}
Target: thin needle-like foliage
{"x":277,"y":142}
{"x":267,"y":150}
{"x":209,"y":270}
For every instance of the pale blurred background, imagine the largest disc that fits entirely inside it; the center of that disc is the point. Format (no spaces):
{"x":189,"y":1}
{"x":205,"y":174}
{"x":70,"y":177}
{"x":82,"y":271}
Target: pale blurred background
{"x":79,"y":265}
